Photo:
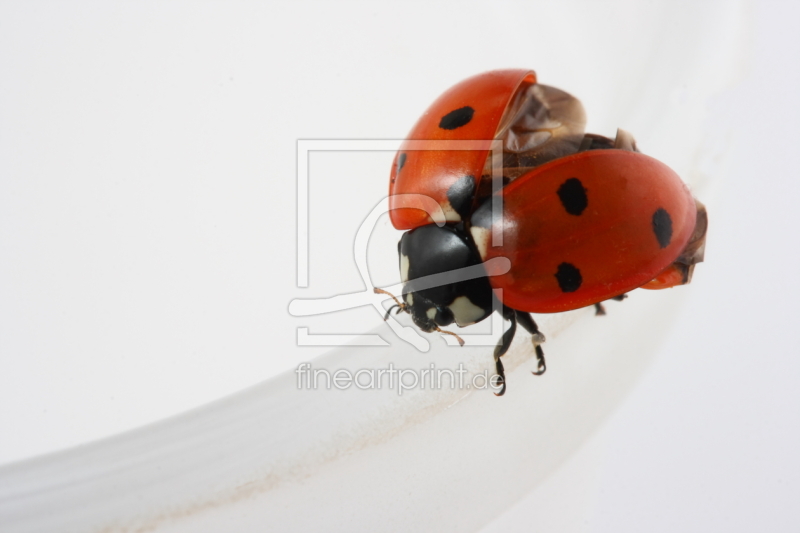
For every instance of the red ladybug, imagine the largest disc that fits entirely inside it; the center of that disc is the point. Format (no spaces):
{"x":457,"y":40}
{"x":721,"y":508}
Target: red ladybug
{"x":584,"y":218}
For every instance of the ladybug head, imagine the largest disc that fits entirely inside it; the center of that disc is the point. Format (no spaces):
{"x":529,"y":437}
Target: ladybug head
{"x":427,"y":315}
{"x":435,"y":293}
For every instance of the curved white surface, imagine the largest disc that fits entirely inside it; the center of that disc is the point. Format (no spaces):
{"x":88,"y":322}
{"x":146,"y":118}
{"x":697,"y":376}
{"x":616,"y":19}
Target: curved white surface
{"x":273,"y":457}
{"x":416,"y":460}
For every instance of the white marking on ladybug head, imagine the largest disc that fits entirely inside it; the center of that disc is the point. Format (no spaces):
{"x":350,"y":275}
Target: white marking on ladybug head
{"x":465,"y":312}
{"x":450,"y":214}
{"x":481,"y":237}
{"x":404,"y":268}
{"x":431,"y":313}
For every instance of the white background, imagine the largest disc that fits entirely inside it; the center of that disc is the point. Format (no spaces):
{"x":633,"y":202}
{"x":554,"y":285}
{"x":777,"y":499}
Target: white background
{"x":147,"y":186}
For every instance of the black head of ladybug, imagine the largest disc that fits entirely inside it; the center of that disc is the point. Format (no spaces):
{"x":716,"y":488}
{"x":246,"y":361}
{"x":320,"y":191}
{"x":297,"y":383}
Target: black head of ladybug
{"x":430,"y":250}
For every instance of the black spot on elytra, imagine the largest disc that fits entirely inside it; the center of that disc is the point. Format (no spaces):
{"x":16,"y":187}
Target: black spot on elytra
{"x":457,"y":118}
{"x":662,"y":227}
{"x":460,"y":195}
{"x":573,"y":196}
{"x":401,"y":160}
{"x":569,"y":277}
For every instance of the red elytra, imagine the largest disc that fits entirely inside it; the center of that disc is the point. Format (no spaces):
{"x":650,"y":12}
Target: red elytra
{"x":602,"y":221}
{"x":482,"y":100}
{"x":584,"y":218}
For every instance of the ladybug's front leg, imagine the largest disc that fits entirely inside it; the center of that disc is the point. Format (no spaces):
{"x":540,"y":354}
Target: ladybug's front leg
{"x":526,"y":321}
{"x":503,"y":345}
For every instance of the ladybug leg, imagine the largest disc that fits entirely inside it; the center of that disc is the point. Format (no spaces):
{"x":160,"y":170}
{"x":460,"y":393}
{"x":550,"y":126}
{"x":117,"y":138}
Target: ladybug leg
{"x":599,"y":310}
{"x":389,"y":312}
{"x":503,"y":345}
{"x":526,"y":321}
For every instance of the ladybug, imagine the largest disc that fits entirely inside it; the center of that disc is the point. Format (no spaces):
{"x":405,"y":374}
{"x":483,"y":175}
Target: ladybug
{"x":584,"y":218}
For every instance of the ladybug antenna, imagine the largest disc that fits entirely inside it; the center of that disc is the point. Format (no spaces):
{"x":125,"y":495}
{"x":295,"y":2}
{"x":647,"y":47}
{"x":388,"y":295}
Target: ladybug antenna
{"x":460,"y":340}
{"x":402,"y":306}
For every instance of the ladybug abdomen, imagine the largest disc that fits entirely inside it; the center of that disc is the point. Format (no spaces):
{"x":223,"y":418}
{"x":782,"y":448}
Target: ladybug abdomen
{"x":585,"y":228}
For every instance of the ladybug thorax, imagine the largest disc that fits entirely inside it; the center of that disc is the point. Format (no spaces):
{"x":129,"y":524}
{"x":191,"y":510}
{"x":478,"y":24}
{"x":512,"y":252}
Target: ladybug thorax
{"x":434,"y":262}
